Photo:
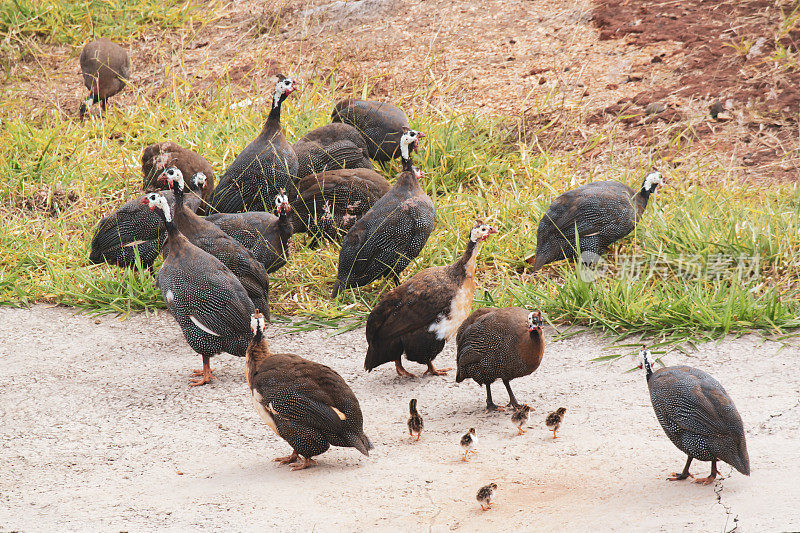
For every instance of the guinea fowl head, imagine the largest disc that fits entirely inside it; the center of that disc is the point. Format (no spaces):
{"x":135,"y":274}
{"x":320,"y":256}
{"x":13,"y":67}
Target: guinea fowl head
{"x":535,"y":322}
{"x":561,"y":411}
{"x":198,"y":181}
{"x":173,"y":176}
{"x":282,"y":203}
{"x":409,"y":142}
{"x":155,"y":201}
{"x":480,"y":232}
{"x":412,"y":406}
{"x":646,"y":360}
{"x":651,"y":181}
{"x":257,"y":323}
{"x":471,"y":431}
{"x":283,"y":88}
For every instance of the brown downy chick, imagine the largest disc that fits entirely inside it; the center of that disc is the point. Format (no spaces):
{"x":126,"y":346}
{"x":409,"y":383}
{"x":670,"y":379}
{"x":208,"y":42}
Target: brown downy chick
{"x":415,"y":423}
{"x":469,"y":442}
{"x":554,"y":420}
{"x":520,"y":417}
{"x":485,"y":494}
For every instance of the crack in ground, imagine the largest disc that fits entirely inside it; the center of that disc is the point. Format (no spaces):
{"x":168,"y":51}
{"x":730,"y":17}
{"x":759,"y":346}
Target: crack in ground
{"x":718,"y":491}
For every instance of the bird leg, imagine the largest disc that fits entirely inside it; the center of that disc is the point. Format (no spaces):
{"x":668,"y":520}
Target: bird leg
{"x":520,"y":431}
{"x":710,"y":479}
{"x":486,"y":508}
{"x":554,"y":433}
{"x":433,"y":372}
{"x":205,"y":372}
{"x":288,"y":459}
{"x":402,"y":372}
{"x":512,"y":401}
{"x":683,"y":475}
{"x":418,"y":436}
{"x":490,"y":405}
{"x":305,"y":463}
{"x":467,"y":452}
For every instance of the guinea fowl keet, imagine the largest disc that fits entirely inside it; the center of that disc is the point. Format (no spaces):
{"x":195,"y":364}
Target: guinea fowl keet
{"x":211,"y":238}
{"x":392,"y":233}
{"x":105,"y":67}
{"x":503,"y":344}
{"x":602,"y":212}
{"x":327,"y":205}
{"x":554,"y":420}
{"x":485,"y":494}
{"x":209,"y":303}
{"x":698,"y":416}
{"x":331,"y":147}
{"x":520,"y":417}
{"x":420,"y":315}
{"x":264,"y":168}
{"x":381,"y":124}
{"x":415,"y":423}
{"x":307,"y":404}
{"x":469,"y":441}
{"x":160,"y":156}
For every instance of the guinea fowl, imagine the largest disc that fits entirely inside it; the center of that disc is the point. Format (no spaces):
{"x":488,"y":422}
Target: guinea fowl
{"x":500,"y":344}
{"x":554,"y":420}
{"x":381,"y":124}
{"x":421,"y":314}
{"x":602,"y":212}
{"x":415,"y":422}
{"x":485,"y":494}
{"x":327,"y":205}
{"x":211,"y":238}
{"x":105,"y":67}
{"x":330,"y":147}
{"x":267,"y":236}
{"x":520,"y":417}
{"x":307,"y":404}
{"x":133,"y":230}
{"x":264,"y":168}
{"x":159,"y":156}
{"x":209,"y":303}
{"x":698,"y":416}
{"x":469,"y":441}
{"x":385,"y":240}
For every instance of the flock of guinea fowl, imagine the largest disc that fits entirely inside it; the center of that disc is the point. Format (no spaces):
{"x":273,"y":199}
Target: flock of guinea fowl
{"x":219,"y":243}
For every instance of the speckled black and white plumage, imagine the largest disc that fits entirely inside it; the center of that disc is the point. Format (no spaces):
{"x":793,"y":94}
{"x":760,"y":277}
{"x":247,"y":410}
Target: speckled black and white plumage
{"x":697,"y":415}
{"x":267,"y":236}
{"x":264,"y":168}
{"x":505,"y":344}
{"x":330,"y":147}
{"x":554,"y":420}
{"x":132,"y":229}
{"x":485,"y":494}
{"x":159,"y":156}
{"x":384,"y":241}
{"x":415,"y":422}
{"x":380,"y":123}
{"x":209,"y":303}
{"x":603,"y":212}
{"x":307,"y":404}
{"x":327,"y":205}
{"x":105,"y":67}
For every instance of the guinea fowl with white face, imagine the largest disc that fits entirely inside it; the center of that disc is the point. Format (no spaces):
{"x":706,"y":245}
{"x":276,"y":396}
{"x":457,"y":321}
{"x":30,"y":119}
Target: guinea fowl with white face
{"x":209,"y":303}
{"x":307,"y":404}
{"x":602,"y":212}
{"x":502,"y":344}
{"x":331,"y":147}
{"x":105,"y":67}
{"x":421,"y":314}
{"x":264,"y":168}
{"x":384,"y":241}
{"x":698,"y":416}
{"x":380,"y":123}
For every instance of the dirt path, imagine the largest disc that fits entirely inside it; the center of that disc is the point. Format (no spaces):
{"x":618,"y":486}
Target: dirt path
{"x":101,"y":431}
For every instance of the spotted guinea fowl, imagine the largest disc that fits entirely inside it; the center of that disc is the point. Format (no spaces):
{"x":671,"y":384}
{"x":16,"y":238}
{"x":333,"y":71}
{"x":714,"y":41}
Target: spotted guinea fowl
{"x":307,"y":404}
{"x":469,"y":441}
{"x":698,"y":416}
{"x":264,"y":168}
{"x":160,"y":156}
{"x":520,"y":417}
{"x":602,"y":212}
{"x":133,"y":230}
{"x":554,"y":420}
{"x":385,"y":240}
{"x":209,"y":303}
{"x":330,"y":147}
{"x":267,"y":236}
{"x":420,"y":315}
{"x":500,"y":344}
{"x":327,"y":205}
{"x":106,"y":68}
{"x":211,"y":238}
{"x":381,"y":124}
{"x":485,"y":494}
{"x":415,"y":422}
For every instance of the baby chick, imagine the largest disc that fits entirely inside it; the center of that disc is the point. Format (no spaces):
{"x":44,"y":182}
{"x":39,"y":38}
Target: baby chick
{"x":485,"y":496}
{"x":520,"y":416}
{"x":554,"y":420}
{"x":415,"y":423}
{"x":469,"y":442}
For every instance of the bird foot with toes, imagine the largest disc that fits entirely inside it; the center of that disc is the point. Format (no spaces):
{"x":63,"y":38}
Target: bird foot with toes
{"x":675,"y":476}
{"x":706,"y":480}
{"x":434,"y":372}
{"x":303,"y":464}
{"x":289,"y":459}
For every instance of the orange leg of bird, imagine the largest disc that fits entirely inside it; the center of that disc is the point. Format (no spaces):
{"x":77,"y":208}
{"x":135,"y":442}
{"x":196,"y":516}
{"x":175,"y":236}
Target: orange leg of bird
{"x":554,"y":434}
{"x":705,"y":480}
{"x":465,"y":456}
{"x":288,"y":459}
{"x":485,"y":508}
{"x":520,"y":431}
{"x":306,"y":462}
{"x":418,"y":435}
{"x":206,"y":372}
{"x":433,"y":372}
{"x":402,"y":372}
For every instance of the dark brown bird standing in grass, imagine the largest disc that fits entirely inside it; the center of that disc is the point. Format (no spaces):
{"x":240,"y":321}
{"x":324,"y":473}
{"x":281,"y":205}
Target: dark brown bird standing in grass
{"x":469,"y":441}
{"x":698,"y":416}
{"x":330,"y":147}
{"x":485,"y":494}
{"x":421,"y":314}
{"x":602,"y":212}
{"x":415,"y":423}
{"x":105,"y":67}
{"x":307,"y":404}
{"x":555,"y":419}
{"x":520,"y":417}
{"x":381,"y":124}
{"x":160,"y":156}
{"x":500,"y":344}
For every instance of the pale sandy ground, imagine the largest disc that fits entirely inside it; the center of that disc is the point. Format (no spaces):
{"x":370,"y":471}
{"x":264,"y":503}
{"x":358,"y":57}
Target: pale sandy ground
{"x":101,"y":432}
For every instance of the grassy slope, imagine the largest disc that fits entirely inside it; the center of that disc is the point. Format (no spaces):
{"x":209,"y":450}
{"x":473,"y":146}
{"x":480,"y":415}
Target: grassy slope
{"x":474,"y":170}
